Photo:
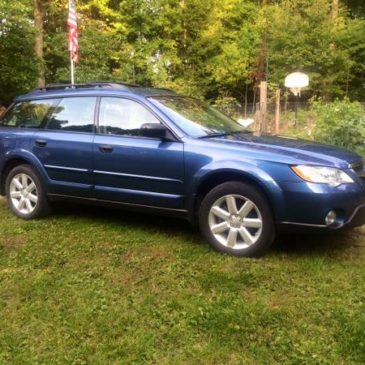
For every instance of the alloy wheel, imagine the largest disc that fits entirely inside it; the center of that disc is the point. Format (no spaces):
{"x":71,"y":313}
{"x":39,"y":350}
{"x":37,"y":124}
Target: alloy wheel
{"x":23,"y":193}
{"x":235,"y":221}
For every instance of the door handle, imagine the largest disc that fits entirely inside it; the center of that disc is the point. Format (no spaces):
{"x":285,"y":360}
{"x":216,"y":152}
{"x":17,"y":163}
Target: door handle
{"x":105,"y":148}
{"x":41,"y":142}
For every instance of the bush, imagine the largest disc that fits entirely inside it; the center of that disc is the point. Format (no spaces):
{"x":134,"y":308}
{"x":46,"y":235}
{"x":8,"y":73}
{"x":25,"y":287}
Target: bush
{"x":229,"y":106}
{"x":341,"y":123}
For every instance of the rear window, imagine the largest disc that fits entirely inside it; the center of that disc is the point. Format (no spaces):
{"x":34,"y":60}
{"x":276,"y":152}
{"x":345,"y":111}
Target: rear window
{"x":28,"y":114}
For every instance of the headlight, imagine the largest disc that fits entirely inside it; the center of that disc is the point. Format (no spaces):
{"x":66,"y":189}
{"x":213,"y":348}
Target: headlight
{"x":322,"y":175}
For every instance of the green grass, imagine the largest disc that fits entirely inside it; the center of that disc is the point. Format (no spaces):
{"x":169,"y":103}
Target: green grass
{"x":97,"y":286}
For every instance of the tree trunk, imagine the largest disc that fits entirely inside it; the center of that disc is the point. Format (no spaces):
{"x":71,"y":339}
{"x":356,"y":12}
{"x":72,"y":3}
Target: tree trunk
{"x":261,"y":111}
{"x":261,"y":63}
{"x":39,"y":42}
{"x":335,"y":9}
{"x":185,"y":30}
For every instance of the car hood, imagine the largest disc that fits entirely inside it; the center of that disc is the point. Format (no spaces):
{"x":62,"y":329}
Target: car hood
{"x":290,"y":150}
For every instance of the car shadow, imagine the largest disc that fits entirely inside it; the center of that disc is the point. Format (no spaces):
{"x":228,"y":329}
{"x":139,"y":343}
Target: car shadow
{"x":338,"y":243}
{"x":295,"y":244}
{"x":138,"y":220}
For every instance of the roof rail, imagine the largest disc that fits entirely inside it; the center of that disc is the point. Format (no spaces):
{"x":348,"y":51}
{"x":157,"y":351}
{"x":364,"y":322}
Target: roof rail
{"x":113,"y":83}
{"x":92,"y":84}
{"x":165,"y":89}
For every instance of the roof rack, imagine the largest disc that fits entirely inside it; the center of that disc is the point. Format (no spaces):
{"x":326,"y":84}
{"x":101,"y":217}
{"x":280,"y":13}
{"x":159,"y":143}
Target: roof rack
{"x":165,"y":89}
{"x":92,"y":84}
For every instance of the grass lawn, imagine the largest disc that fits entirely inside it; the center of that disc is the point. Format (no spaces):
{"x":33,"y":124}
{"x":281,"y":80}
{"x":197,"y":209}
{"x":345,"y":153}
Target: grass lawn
{"x":97,"y":286}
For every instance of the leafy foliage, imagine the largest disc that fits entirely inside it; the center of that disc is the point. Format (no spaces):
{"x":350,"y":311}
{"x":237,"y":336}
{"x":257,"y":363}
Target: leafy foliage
{"x":341,"y":123}
{"x":208,"y":48}
{"x":304,"y":36}
{"x":18,"y":68}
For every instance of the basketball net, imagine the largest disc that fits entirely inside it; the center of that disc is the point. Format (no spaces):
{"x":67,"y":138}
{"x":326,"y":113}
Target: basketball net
{"x":295,"y":90}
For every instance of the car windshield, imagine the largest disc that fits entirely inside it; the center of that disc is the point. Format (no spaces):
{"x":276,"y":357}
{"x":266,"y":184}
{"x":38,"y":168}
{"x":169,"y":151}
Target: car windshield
{"x":196,"y":118}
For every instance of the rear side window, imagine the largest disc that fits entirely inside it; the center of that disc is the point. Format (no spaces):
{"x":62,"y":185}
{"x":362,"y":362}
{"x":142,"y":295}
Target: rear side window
{"x":28,"y":114}
{"x":73,"y":114}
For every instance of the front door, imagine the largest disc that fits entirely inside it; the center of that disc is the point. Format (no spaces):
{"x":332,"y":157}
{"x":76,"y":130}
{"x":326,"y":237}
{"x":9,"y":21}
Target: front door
{"x":131,"y":168}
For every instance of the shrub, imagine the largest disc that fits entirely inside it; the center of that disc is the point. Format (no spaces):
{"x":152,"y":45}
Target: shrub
{"x":228,"y":105}
{"x":341,"y":123}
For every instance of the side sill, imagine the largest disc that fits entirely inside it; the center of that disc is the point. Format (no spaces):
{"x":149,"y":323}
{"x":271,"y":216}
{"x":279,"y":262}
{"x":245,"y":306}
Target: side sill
{"x":178,"y":213}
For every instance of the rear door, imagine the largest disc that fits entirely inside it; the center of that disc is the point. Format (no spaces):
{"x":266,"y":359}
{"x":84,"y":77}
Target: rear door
{"x":130,"y":167}
{"x":20,"y":123}
{"x":64,"y":146}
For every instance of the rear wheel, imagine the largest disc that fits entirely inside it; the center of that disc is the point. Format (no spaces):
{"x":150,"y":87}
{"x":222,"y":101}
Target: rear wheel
{"x":25,"y":194}
{"x":235,"y":218}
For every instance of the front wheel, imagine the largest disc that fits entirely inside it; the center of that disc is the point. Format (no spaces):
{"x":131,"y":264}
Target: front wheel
{"x":25,"y":193}
{"x":235,"y":218}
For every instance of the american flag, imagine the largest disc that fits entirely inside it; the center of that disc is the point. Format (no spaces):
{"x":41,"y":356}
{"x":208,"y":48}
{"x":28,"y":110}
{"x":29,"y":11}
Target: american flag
{"x":73,"y":45}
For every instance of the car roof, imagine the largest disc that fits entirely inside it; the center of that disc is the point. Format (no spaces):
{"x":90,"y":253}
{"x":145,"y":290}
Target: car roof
{"x":94,"y":89}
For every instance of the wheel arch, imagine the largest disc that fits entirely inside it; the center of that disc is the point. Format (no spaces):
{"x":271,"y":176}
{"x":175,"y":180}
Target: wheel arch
{"x":16,"y":159}
{"x":264,"y":183}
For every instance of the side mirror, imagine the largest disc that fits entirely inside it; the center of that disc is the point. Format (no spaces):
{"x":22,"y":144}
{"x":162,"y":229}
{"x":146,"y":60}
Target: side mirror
{"x":154,"y":130}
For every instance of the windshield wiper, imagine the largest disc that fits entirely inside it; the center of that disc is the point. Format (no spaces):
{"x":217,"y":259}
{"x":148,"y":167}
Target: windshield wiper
{"x":213,"y":135}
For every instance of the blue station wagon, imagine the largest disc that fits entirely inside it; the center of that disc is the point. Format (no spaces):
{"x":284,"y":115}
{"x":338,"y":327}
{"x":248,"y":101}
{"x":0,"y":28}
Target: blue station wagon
{"x":153,"y":150}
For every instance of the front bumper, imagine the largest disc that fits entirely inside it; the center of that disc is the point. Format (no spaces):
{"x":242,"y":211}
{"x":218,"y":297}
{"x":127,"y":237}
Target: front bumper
{"x":307,"y":205}
{"x":358,"y":218}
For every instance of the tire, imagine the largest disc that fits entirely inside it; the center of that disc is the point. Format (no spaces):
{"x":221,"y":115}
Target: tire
{"x":235,"y":218}
{"x":25,"y":194}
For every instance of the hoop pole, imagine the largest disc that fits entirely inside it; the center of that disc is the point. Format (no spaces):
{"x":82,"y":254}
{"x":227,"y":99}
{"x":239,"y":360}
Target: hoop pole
{"x":296,"y":109}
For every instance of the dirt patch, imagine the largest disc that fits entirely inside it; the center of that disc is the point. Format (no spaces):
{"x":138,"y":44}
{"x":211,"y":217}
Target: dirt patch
{"x":12,"y":241}
{"x":148,"y":254}
{"x":279,"y":299}
{"x":361,"y":230}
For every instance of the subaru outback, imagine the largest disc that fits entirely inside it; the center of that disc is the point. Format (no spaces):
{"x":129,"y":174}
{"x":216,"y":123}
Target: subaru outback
{"x":153,"y":150}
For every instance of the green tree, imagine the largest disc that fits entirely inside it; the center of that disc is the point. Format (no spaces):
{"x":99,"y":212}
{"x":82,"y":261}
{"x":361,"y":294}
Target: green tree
{"x":232,"y":38}
{"x":18,"y":69}
{"x":304,"y":35}
{"x":207,"y":48}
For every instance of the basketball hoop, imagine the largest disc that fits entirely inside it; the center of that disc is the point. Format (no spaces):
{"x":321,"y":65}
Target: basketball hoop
{"x":296,"y":81}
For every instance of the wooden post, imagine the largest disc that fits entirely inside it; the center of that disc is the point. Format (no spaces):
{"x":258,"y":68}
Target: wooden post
{"x":277,"y":111}
{"x":263,"y":106}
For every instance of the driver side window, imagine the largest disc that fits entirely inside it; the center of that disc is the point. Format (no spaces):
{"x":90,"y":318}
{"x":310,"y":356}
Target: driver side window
{"x":126,"y":117}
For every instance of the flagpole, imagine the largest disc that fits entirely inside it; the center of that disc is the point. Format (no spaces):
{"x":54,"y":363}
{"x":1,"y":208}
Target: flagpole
{"x":72,"y":70}
{"x":72,"y":38}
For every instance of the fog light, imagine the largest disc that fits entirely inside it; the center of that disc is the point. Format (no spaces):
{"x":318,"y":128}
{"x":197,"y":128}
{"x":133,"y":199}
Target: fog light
{"x":331,"y":217}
